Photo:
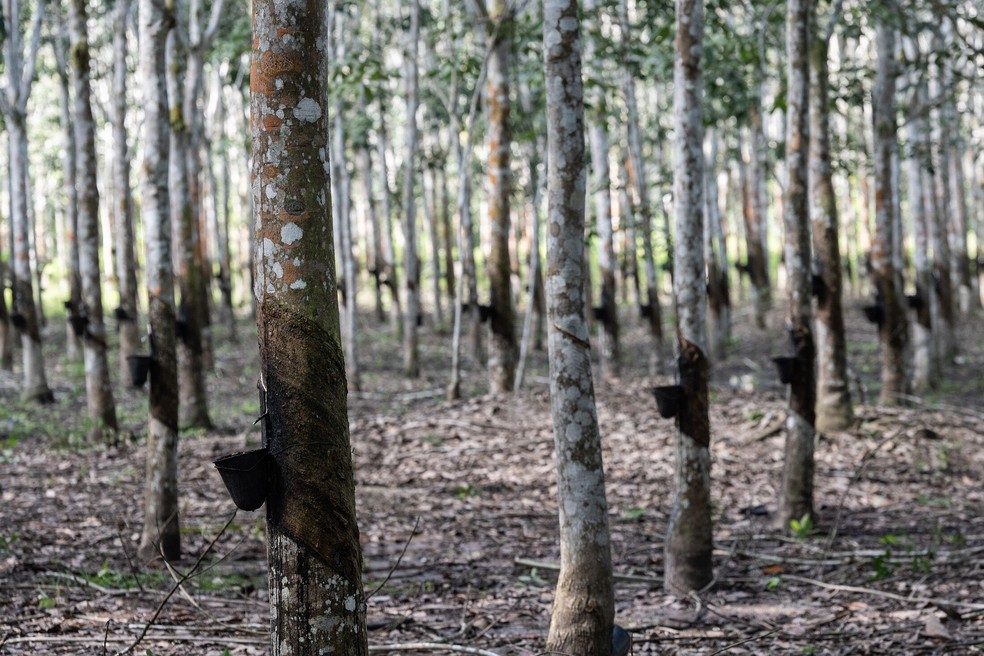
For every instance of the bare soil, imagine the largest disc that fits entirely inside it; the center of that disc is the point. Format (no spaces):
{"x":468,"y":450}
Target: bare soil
{"x":893,"y":565}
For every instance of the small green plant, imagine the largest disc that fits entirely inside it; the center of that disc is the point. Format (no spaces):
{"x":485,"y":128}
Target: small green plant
{"x":755,"y":415}
{"x":45,"y":602}
{"x":801,"y":527}
{"x":433,"y":440}
{"x":773,"y":583}
{"x":532,"y":580}
{"x":466,"y":491}
{"x":7,"y":543}
{"x":634,"y":513}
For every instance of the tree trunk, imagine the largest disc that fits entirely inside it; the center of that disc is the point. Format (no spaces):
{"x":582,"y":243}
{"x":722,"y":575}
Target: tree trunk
{"x":689,"y":542}
{"x":71,"y":203}
{"x":126,"y":267}
{"x":430,"y":184}
{"x":597,"y":129}
{"x":316,"y":594}
{"x":651,"y":310}
{"x":388,"y":270}
{"x":893,"y":330}
{"x":583,"y":610}
{"x":503,"y":348}
{"x":757,"y":220}
{"x":411,"y":265}
{"x":796,"y":492}
{"x":833,"y":405}
{"x":20,"y":67}
{"x":224,"y":212}
{"x":161,"y":533}
{"x":186,"y":238}
{"x":718,"y":319}
{"x":99,"y":391}
{"x":374,"y":245}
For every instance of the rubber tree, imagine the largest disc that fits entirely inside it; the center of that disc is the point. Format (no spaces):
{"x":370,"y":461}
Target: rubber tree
{"x":122,"y":204}
{"x":73,"y":344}
{"x":186,"y":244}
{"x":833,"y":405}
{"x":503,"y":342}
{"x":796,"y":491}
{"x":925,"y":364}
{"x":597,"y":127}
{"x":20,"y":63}
{"x":892,"y":330}
{"x":583,"y":610}
{"x":689,"y":543}
{"x":639,"y":181}
{"x":411,"y":263}
{"x":161,"y":531}
{"x":98,"y":388}
{"x":315,"y":560}
{"x":715,"y":258}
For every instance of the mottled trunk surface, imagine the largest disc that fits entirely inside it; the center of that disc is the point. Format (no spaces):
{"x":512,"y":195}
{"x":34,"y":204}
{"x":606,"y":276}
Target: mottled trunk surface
{"x":99,"y":391}
{"x":35,"y":386}
{"x":430,"y":219}
{"x":757,"y":218}
{"x":73,"y":344}
{"x":689,"y":540}
{"x":387,"y":267}
{"x":123,"y":234}
{"x":796,"y":491}
{"x":344,"y":224}
{"x":583,"y":610}
{"x":411,"y":264}
{"x":893,"y":330}
{"x":161,"y":532}
{"x":718,"y":317}
{"x":597,"y":129}
{"x":186,"y":241}
{"x":503,"y":346}
{"x":6,"y":330}
{"x":316,"y":595}
{"x":651,"y":309}
{"x":833,"y":406}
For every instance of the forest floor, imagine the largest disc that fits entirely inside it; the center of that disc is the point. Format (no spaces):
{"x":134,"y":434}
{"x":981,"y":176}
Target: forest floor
{"x":894,"y":565}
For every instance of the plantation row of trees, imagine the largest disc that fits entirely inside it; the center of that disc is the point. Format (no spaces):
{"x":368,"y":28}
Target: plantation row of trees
{"x":778,"y":115}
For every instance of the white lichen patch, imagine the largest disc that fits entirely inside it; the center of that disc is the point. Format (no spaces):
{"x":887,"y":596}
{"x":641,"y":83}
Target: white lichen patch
{"x":298,"y":284}
{"x":307,"y":110}
{"x":290,"y":233}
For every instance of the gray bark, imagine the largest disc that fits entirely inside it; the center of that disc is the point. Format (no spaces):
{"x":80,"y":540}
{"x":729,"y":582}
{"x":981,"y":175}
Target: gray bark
{"x":316,"y":596}
{"x":583,"y":610}
{"x":411,"y":265}
{"x":99,"y":391}
{"x":161,"y":534}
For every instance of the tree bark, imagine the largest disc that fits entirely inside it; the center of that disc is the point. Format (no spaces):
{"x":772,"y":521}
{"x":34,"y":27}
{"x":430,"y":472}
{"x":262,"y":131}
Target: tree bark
{"x":503,"y":347}
{"x":71,"y":202}
{"x":583,"y":610}
{"x":651,"y":308}
{"x":99,"y":391}
{"x":757,"y":220}
{"x":689,"y":542}
{"x":411,"y":265}
{"x":718,"y":303}
{"x":20,"y":64}
{"x":833,"y":405}
{"x":893,"y":330}
{"x":597,"y":129}
{"x":796,"y":491}
{"x":316,"y":594}
{"x":126,"y":266}
{"x":187,"y":243}
{"x":161,"y":533}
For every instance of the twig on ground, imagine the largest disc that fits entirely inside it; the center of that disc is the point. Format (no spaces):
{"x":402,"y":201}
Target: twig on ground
{"x":174,"y":588}
{"x":406,"y":545}
{"x":627,"y":578}
{"x":430,"y":646}
{"x":742,"y":642}
{"x":120,"y":525}
{"x":880,"y":593}
{"x":865,"y":459}
{"x":178,"y":578}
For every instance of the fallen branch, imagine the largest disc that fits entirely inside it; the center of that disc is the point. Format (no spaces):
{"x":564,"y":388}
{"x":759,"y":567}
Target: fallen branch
{"x":888,"y":595}
{"x":177,"y":585}
{"x":630,"y":578}
{"x":429,"y":646}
